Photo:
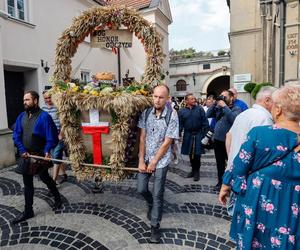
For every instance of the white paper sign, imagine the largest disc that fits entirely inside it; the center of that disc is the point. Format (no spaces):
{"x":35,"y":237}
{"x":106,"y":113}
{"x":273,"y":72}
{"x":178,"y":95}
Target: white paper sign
{"x":242,"y":78}
{"x":94,"y":116}
{"x":239,"y":86}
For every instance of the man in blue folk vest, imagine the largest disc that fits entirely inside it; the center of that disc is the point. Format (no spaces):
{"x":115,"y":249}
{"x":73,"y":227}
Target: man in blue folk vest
{"x":35,"y":133}
{"x":192,"y":119}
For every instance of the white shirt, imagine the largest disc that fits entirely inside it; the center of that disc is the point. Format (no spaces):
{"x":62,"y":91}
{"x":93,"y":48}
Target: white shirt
{"x":205,"y":109}
{"x":244,"y":122}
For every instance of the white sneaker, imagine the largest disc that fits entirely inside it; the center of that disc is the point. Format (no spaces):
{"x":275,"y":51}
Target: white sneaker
{"x":176,"y":161}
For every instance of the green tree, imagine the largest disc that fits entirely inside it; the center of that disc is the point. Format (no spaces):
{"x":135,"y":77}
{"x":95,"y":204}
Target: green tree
{"x":221,"y":53}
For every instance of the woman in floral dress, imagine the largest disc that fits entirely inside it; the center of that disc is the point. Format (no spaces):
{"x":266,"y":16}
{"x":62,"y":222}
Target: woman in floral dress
{"x":266,"y":177}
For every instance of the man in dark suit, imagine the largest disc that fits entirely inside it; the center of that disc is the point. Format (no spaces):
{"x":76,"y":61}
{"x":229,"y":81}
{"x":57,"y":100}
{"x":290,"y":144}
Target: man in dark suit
{"x":193,"y":121}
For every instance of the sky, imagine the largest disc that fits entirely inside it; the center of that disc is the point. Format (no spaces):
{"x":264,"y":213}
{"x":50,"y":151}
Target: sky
{"x":201,"y":24}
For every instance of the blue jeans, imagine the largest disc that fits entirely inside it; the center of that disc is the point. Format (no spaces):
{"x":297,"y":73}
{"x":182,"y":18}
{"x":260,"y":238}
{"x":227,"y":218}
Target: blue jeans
{"x":155,"y":200}
{"x":57,"y":152}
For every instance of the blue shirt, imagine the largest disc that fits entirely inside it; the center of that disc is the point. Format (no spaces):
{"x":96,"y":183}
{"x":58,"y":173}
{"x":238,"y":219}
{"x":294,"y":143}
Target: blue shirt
{"x":156,"y":131}
{"x":241,"y":104}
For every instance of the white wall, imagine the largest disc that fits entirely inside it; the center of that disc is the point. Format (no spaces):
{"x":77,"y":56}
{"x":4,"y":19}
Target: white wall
{"x":136,"y":60}
{"x":3,"y":114}
{"x":29,"y":44}
{"x":185,"y":70}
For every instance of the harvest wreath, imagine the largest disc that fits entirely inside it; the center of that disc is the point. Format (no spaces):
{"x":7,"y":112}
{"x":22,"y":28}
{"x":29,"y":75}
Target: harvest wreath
{"x":122,"y":103}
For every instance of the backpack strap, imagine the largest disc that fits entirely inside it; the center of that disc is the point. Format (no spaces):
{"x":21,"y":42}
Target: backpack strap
{"x":147,"y":113}
{"x":167,"y":117}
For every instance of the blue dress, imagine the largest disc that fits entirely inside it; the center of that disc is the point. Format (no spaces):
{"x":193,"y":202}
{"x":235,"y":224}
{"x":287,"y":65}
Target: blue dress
{"x":266,"y":177}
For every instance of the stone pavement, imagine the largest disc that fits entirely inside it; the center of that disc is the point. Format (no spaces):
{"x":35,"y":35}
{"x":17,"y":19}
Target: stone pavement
{"x":116,"y":218}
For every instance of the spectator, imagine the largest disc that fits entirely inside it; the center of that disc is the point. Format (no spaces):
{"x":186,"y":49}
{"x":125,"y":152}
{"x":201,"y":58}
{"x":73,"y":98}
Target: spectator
{"x":57,"y":152}
{"x":266,"y":176}
{"x":225,"y":113}
{"x":237,"y":102}
{"x":210,"y":101}
{"x":193,"y":121}
{"x":258,"y":115}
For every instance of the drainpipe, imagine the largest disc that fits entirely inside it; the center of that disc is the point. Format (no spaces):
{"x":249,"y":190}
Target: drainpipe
{"x":119,"y":66}
{"x":282,"y":42}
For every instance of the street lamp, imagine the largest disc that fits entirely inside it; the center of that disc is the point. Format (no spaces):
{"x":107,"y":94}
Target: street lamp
{"x":194,"y":78}
{"x":45,"y":66}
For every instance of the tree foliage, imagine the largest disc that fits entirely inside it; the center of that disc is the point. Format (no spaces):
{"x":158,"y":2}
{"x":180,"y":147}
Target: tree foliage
{"x":253,"y":88}
{"x":188,"y":53}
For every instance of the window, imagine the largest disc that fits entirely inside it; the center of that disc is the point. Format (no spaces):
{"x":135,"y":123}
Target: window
{"x":181,"y":85}
{"x":206,"y":66}
{"x":85,"y":76}
{"x":17,"y":9}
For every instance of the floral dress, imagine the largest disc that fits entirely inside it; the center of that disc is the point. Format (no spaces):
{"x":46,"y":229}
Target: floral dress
{"x":266,"y":176}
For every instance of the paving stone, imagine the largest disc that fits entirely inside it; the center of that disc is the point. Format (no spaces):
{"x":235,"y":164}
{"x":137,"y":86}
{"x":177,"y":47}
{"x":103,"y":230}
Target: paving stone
{"x":178,"y":242}
{"x":119,"y":206}
{"x":200,"y":245}
{"x":55,"y":243}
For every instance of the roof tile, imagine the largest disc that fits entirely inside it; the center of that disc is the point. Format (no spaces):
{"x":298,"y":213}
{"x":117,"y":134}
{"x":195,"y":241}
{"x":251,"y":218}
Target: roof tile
{"x":136,"y":4}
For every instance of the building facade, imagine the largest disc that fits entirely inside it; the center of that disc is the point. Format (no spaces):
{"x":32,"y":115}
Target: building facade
{"x":29,"y":31}
{"x":200,"y":76}
{"x":264,"y":41}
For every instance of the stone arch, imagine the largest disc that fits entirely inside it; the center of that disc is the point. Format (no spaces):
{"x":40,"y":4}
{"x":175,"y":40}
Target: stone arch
{"x":218,"y":73}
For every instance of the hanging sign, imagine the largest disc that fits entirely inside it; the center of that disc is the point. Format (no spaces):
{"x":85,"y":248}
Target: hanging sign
{"x":111,"y":39}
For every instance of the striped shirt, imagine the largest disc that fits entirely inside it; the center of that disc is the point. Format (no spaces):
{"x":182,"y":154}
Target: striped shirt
{"x":52,"y":111}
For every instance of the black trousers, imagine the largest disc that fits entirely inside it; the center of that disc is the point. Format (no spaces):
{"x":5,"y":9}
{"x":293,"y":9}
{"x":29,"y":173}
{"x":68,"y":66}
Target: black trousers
{"x":195,"y":161}
{"x":29,"y":188}
{"x":221,"y":157}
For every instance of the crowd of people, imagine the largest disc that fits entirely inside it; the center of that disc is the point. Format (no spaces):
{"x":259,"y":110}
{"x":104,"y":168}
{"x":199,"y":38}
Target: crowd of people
{"x":256,"y":151}
{"x":258,"y":147}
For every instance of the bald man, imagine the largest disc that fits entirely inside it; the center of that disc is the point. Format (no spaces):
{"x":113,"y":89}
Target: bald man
{"x":156,"y":136}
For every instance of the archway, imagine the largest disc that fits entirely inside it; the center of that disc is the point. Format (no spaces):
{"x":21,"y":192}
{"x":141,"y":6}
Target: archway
{"x":218,"y":81}
{"x":217,"y":85}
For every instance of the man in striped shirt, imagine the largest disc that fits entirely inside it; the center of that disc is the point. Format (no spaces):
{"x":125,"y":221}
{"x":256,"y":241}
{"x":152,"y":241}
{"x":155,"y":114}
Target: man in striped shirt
{"x":57,"y":152}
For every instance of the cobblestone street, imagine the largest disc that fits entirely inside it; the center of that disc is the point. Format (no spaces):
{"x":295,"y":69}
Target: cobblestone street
{"x":116,"y":218}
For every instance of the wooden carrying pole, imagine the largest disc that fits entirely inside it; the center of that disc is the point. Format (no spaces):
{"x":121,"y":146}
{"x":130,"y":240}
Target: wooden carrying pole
{"x":84,"y":164}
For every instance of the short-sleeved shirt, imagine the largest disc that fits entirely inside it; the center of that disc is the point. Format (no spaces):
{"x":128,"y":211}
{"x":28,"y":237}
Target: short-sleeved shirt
{"x":52,"y":111}
{"x":244,"y":122}
{"x":156,"y":131}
